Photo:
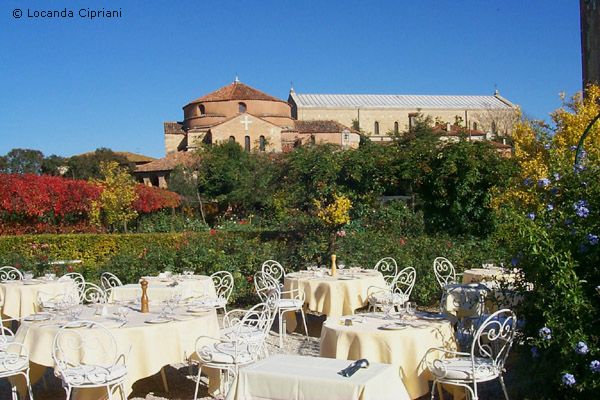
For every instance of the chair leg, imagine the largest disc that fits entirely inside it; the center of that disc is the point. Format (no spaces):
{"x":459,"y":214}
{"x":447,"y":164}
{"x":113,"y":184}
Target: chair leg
{"x":504,"y":387}
{"x":68,"y":391}
{"x":304,"y":321}
{"x":197,"y":382}
{"x":29,"y":390}
{"x":440,"y":391}
{"x":163,"y":375}
{"x":433,"y":385}
{"x":280,"y":330}
{"x":110,"y":392}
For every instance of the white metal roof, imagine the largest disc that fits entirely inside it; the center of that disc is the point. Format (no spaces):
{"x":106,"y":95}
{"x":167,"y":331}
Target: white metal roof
{"x":400,"y":101}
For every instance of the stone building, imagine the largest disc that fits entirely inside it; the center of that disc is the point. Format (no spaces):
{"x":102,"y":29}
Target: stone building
{"x":378,"y":115}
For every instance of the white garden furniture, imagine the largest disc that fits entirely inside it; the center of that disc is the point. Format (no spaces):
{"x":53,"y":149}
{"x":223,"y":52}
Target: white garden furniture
{"x":14,"y":360}
{"x":108,"y":281}
{"x":238,"y":348}
{"x":77,"y":279}
{"x":275,"y":270}
{"x":444,"y":271}
{"x":93,"y":294}
{"x":289,"y":300}
{"x":388,"y":268}
{"x":223,"y":282}
{"x":9,"y":273}
{"x":484,"y":362}
{"x":79,"y":341}
{"x":398,"y":292}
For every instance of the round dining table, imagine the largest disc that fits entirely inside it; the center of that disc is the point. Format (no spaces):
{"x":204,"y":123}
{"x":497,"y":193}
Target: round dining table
{"x":148,"y":346}
{"x":161,"y":289}
{"x":337,"y":295}
{"x":477,"y":275}
{"x":20,"y":298}
{"x":402,"y":342}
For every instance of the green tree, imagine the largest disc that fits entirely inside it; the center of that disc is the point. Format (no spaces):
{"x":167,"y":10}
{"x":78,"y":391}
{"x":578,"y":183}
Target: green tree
{"x":24,"y":161}
{"x":54,"y":165}
{"x":87,"y":166}
{"x":456,"y":190}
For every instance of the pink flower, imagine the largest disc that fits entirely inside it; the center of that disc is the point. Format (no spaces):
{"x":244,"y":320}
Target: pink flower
{"x":402,"y":241}
{"x":341,"y":233}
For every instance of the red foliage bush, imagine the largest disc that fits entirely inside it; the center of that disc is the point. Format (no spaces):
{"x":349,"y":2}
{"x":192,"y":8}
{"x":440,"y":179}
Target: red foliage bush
{"x":51,"y":204}
{"x":153,"y":199}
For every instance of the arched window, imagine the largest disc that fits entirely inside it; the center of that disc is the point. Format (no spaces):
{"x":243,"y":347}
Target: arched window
{"x":396,"y":129}
{"x":262,"y":143}
{"x":231,"y":139}
{"x":247,"y":143}
{"x":376,"y":130}
{"x":202,"y":110}
{"x":242,"y":108}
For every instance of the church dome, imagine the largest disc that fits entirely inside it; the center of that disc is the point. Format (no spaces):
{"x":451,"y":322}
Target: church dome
{"x":231,"y":100}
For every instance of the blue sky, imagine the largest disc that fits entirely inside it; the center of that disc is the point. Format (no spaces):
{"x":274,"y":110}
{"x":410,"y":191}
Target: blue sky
{"x":71,"y":85}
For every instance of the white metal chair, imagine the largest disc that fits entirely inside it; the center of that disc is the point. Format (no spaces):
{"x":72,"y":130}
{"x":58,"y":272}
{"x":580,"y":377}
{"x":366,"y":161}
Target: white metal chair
{"x":223,"y":282}
{"x":239,"y":348}
{"x":289,"y":301}
{"x":9,"y":273}
{"x":93,"y":294}
{"x":275,"y":270}
{"x":75,"y":344}
{"x":14,"y":360}
{"x":485,"y":361}
{"x":445,"y":273}
{"x":388,"y":268}
{"x":108,"y":281}
{"x":400,"y":289}
{"x":77,"y":279}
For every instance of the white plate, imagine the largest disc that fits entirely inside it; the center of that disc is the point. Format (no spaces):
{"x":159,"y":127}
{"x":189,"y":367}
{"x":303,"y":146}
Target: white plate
{"x":198,"y":310}
{"x":431,"y":316}
{"x":157,"y":321}
{"x":394,"y":327}
{"x":73,"y":325}
{"x":31,"y":282}
{"x":37,"y":317}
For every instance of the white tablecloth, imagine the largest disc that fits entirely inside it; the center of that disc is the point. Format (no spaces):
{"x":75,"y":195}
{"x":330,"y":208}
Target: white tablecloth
{"x":313,"y":378}
{"x":21,"y":300}
{"x":152,"y":345}
{"x":164,"y":289}
{"x":404,"y":348}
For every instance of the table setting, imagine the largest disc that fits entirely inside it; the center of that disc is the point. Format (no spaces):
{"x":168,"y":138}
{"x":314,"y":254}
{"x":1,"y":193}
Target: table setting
{"x":398,"y":338}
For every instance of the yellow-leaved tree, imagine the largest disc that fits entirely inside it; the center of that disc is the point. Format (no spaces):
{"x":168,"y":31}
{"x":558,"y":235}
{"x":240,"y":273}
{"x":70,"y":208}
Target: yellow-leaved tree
{"x":114,"y":207}
{"x":539,"y":150}
{"x":334,"y":215}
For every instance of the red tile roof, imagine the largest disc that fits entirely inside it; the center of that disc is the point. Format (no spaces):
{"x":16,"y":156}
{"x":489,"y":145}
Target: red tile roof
{"x":169,"y":162}
{"x":236,"y":91}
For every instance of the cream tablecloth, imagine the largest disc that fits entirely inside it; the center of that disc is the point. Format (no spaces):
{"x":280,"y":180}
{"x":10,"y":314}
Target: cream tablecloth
{"x":152,"y":345}
{"x":313,"y":378}
{"x":333,"y":295}
{"x":21,"y":300}
{"x":164,"y":289}
{"x":404,"y":348}
{"x":476,"y":275}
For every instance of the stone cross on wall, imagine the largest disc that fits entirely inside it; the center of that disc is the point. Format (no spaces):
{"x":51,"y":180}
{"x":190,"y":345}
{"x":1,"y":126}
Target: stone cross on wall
{"x":245,"y":121}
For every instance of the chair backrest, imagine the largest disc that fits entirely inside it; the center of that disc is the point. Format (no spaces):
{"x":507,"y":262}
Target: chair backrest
{"x":404,"y":282}
{"x":6,"y":337}
{"x":445,"y":273}
{"x":265,"y":284}
{"x":494,"y":337}
{"x":388,"y":268}
{"x":93,"y":294}
{"x":223,"y":282}
{"x":14,"y":357}
{"x":109,"y":280}
{"x":462,"y":301}
{"x":9,"y":273}
{"x":77,"y":278}
{"x":73,"y":348}
{"x":274,"y":269}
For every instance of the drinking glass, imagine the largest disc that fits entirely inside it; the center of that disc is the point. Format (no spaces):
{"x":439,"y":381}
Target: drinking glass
{"x":123,"y":312}
{"x":410,"y":308}
{"x":387,"y":303}
{"x":27,"y":275}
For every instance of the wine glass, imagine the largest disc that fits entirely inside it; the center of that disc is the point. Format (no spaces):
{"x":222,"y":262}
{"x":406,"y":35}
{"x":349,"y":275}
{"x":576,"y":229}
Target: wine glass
{"x":341,"y":267}
{"x":410,"y":308}
{"x":387,"y":304}
{"x":122,"y":313}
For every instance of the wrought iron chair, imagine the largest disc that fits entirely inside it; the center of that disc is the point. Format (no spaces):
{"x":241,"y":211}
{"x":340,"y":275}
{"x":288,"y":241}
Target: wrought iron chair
{"x":223,"y":282}
{"x":484,"y":362}
{"x":400,"y":289}
{"x":109,"y":281}
{"x":9,"y":273}
{"x":388,"y":268}
{"x":289,"y":300}
{"x":93,"y":294}
{"x":238,"y":349}
{"x":77,"y":279}
{"x":445,"y":273}
{"x":71,"y":350}
{"x":275,"y":270}
{"x":14,"y":360}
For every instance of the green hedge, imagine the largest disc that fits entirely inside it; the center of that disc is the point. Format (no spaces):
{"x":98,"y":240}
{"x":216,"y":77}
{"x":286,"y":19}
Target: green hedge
{"x":130,"y":256}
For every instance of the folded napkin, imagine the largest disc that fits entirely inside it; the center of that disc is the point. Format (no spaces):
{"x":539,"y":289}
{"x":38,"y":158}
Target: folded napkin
{"x":355,"y":366}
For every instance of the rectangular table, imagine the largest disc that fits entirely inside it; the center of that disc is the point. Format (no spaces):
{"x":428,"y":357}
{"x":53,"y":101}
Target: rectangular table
{"x":315,"y":378}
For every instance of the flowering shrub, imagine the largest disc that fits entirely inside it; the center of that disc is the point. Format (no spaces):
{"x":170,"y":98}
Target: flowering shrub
{"x":51,"y":204}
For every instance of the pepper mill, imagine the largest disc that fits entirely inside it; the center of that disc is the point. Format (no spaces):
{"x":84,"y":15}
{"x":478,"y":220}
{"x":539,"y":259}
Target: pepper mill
{"x":144,"y":308}
{"x":333,"y":266}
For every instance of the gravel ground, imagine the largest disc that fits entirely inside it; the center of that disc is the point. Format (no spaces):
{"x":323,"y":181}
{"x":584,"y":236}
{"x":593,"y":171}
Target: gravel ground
{"x":181,"y":384}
